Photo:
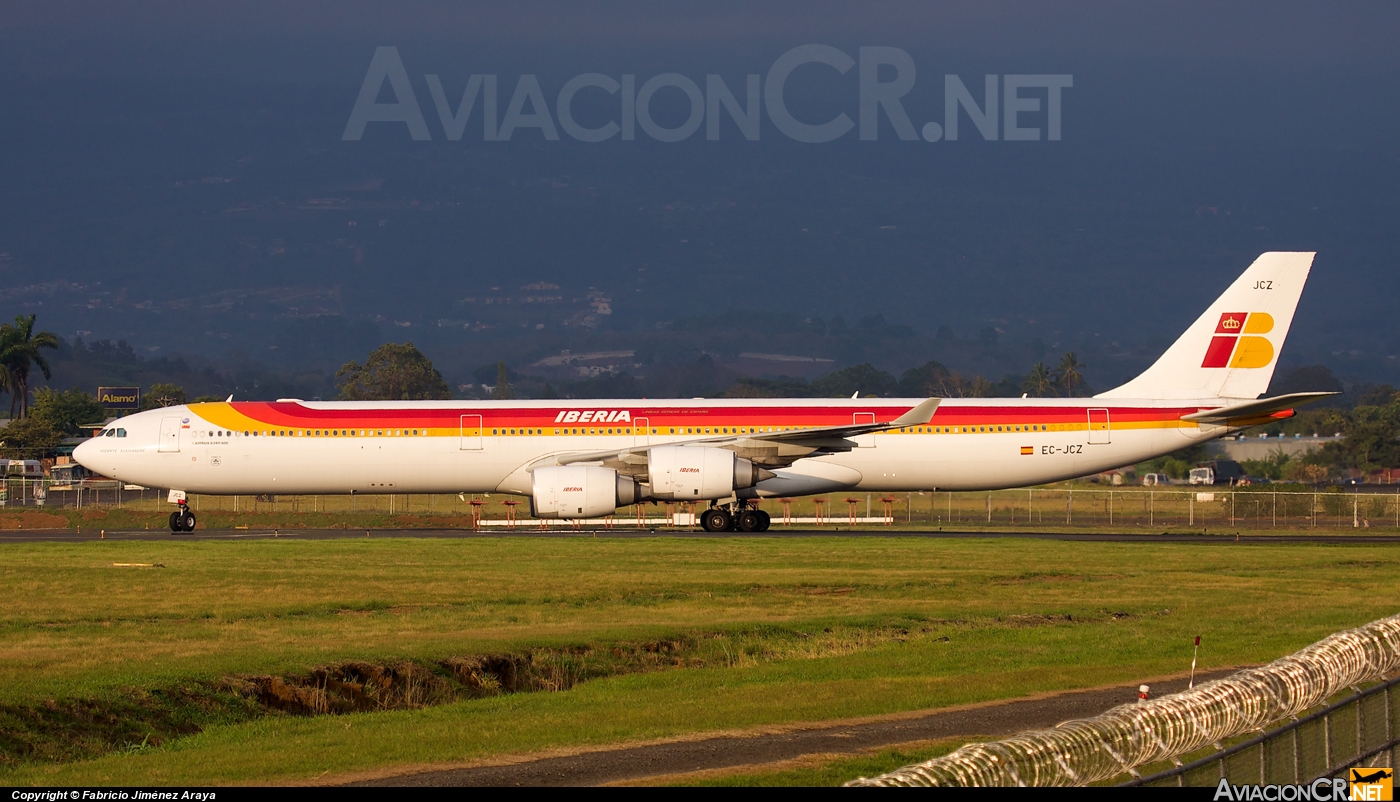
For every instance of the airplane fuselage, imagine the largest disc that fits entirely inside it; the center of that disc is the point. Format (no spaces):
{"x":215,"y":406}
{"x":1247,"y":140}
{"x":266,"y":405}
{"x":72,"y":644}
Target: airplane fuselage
{"x":293,"y":447}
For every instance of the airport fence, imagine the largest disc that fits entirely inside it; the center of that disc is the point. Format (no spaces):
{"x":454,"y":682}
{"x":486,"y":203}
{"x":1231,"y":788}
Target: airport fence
{"x":1060,"y":507}
{"x":1357,"y":731}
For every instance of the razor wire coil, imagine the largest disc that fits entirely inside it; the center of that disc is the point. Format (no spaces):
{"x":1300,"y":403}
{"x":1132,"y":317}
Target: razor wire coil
{"x":1090,"y":750}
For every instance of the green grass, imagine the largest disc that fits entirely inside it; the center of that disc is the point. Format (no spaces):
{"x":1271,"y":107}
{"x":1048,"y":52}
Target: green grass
{"x":1018,"y":617}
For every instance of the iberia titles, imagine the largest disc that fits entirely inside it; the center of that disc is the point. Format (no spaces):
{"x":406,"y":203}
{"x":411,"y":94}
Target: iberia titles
{"x":594,"y":416}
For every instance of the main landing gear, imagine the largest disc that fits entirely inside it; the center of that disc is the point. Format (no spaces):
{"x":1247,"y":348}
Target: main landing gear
{"x":182,"y":520}
{"x":735,"y":518}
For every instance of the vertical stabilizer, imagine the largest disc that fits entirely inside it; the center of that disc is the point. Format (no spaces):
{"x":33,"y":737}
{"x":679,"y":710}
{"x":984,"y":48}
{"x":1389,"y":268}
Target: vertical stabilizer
{"x":1232,"y":349}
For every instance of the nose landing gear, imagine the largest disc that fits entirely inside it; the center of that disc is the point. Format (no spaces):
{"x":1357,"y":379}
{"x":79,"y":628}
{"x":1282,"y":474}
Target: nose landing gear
{"x":182,"y":520}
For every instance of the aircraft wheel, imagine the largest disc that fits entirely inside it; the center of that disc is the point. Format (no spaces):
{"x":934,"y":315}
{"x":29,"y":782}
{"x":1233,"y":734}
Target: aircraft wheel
{"x":176,"y":524}
{"x":749,"y":521}
{"x":764,"y":521}
{"x":714,"y":520}
{"x":188,"y":521}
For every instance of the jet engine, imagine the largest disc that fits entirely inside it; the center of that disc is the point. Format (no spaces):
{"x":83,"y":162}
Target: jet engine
{"x":571,"y":491}
{"x":685,"y":473}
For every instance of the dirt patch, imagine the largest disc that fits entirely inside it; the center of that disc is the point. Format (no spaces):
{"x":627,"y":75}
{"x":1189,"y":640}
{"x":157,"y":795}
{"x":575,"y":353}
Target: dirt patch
{"x":32,"y":519}
{"x":60,"y":731}
{"x":75,"y":729}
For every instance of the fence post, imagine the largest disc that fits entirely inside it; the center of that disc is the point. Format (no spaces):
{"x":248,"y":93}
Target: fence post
{"x":1297,"y":756}
{"x":1069,"y":507}
{"x":1360,"y":730}
{"x":1389,"y":725}
{"x":1191,"y":504}
{"x":1327,"y":740}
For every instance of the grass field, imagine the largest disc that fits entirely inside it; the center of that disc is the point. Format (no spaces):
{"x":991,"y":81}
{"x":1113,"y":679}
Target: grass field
{"x":645,"y":638}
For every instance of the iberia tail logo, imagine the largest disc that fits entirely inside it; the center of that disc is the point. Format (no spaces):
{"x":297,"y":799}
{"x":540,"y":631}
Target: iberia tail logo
{"x":1232,"y":347}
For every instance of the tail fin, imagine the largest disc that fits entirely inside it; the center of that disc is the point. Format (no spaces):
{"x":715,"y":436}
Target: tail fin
{"x":1231,"y":350}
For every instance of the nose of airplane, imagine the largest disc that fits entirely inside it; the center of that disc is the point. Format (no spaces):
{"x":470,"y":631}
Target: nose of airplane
{"x":85,"y":455}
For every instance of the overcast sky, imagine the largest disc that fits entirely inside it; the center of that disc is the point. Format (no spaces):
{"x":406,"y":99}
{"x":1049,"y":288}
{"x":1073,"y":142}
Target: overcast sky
{"x":1195,"y":136}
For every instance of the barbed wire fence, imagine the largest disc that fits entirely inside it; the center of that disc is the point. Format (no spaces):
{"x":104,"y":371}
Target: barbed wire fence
{"x":1129,"y":736}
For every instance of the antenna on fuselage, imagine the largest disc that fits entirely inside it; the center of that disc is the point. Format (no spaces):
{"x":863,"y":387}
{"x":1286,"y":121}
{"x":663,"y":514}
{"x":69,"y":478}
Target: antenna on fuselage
{"x":230,"y":398}
{"x":855,"y":395}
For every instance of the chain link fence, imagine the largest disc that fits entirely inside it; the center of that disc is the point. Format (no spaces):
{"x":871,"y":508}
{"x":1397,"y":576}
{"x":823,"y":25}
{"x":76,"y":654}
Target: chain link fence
{"x":1034,"y":509}
{"x":1359,"y":731}
{"x":1129,"y":737}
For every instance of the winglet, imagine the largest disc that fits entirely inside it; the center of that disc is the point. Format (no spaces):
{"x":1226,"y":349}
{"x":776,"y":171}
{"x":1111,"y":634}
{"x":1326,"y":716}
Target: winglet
{"x":919,"y":415}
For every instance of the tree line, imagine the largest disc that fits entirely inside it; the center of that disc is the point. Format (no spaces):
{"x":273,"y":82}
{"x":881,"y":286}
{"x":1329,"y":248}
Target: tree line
{"x":1370,"y":424}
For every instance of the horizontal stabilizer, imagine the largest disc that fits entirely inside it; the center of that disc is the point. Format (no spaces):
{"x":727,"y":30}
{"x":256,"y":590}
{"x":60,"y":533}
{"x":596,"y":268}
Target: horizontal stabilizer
{"x":1254,"y":409}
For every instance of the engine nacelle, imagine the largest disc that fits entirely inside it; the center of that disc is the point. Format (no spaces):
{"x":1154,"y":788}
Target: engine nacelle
{"x":570,"y":491}
{"x":685,"y":473}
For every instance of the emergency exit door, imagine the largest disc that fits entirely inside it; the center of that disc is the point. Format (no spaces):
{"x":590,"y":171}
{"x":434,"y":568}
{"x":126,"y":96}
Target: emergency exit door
{"x":471,"y":433}
{"x":863,"y":440}
{"x":1098,"y":427}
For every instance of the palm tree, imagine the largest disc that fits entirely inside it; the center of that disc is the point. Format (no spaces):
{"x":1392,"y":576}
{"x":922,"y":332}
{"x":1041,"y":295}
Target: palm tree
{"x":6,"y":381}
{"x":19,"y":351}
{"x":1039,"y":383}
{"x":1068,"y":373}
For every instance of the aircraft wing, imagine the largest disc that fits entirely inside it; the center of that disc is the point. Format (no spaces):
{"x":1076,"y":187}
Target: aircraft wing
{"x":1254,"y":411}
{"x":767,"y":449}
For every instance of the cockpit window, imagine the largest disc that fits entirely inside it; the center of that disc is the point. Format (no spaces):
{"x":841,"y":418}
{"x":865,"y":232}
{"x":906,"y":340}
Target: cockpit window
{"x":121,"y":433}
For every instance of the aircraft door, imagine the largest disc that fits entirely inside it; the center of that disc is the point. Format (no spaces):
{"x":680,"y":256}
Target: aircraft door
{"x":169,"y":434}
{"x":641,"y":431}
{"x":863,"y":440}
{"x":471,"y":433}
{"x":1098,"y":427}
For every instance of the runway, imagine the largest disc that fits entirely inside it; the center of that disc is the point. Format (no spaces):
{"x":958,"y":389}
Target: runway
{"x":70,"y":536}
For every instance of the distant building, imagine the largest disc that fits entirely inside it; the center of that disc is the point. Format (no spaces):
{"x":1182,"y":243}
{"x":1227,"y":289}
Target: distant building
{"x":1256,"y":447}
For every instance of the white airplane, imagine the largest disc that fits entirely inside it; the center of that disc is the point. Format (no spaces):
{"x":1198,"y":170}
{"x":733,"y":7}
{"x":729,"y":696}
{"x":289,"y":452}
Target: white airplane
{"x":585,"y":459}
